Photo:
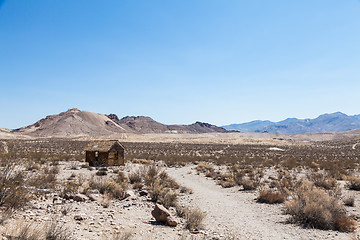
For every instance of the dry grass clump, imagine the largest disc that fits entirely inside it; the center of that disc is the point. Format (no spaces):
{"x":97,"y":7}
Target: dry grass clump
{"x":110,"y":187}
{"x":55,"y":231}
{"x":135,"y":177}
{"x":204,"y":167}
{"x":314,"y":208}
{"x":353,"y":183}
{"x":285,"y":183}
{"x":127,"y":235}
{"x":13,"y":193}
{"x":25,"y":231}
{"x":45,"y":179}
{"x":194,"y":219}
{"x":349,"y":201}
{"x":226,"y":180}
{"x":323,"y":180}
{"x":271,"y":197}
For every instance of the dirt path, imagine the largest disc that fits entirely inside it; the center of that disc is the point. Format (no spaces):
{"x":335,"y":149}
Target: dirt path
{"x":235,"y":214}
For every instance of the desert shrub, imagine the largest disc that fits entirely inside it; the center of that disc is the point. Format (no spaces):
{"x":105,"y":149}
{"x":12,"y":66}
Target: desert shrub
{"x":323,"y":181}
{"x":127,"y":235}
{"x":249,"y":184}
{"x":314,"y":208}
{"x":25,"y":231}
{"x":226,"y":180}
{"x":116,"y":190}
{"x":74,"y":165}
{"x":168,"y":181}
{"x":70,"y":188}
{"x":55,"y":231}
{"x":271,"y":197}
{"x":354,"y":183}
{"x":150,"y":173}
{"x":193,"y":219}
{"x":112,"y":188}
{"x":43,"y":181}
{"x":138,"y":185}
{"x":285,"y":183}
{"x":121,"y":177}
{"x":169,"y":199}
{"x":13,"y":194}
{"x":349,"y":201}
{"x":186,"y":190}
{"x":204,"y":167}
{"x":135,"y":177}
{"x":106,"y":200}
{"x":33,"y":166}
{"x":181,"y":211}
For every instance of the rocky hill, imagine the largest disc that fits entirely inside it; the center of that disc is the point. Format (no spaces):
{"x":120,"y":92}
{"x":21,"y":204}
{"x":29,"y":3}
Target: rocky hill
{"x":72,"y":123}
{"x":76,"y":123}
{"x":334,"y":122}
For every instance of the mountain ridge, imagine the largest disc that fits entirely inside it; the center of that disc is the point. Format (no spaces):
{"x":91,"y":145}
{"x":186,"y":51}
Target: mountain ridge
{"x":76,"y":123}
{"x":328,"y":122}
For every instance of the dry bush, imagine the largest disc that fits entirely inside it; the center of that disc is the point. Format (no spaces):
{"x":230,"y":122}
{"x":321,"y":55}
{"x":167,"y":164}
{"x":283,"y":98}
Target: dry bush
{"x":181,"y":211}
{"x":186,"y":190}
{"x":168,"y":181}
{"x":138,"y":185}
{"x":170,"y":199}
{"x":193,"y":219}
{"x":112,"y":188}
{"x":354,"y":183}
{"x":271,"y":197}
{"x":141,"y":161}
{"x":314,"y":208}
{"x":204,"y":167}
{"x":25,"y":231}
{"x":121,"y":177}
{"x":70,"y":188}
{"x":323,"y":181}
{"x":150,"y":173}
{"x":135,"y":177}
{"x":33,"y":166}
{"x":285,"y":184}
{"x":55,"y":231}
{"x":43,"y":180}
{"x":74,"y":165}
{"x":5,"y":215}
{"x":13,"y":194}
{"x":106,"y":200}
{"x":249,"y":184}
{"x":349,"y":201}
{"x":226,"y":180}
{"x":127,"y":235}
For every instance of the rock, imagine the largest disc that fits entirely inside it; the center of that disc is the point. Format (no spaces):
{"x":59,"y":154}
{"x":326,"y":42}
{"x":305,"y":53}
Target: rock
{"x":91,"y":197}
{"x":161,"y":214}
{"x":143,"y":193}
{"x":80,"y":198}
{"x":78,"y":218}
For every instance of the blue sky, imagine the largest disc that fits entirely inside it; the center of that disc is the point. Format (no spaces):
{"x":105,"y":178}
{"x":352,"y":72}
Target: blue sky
{"x":179,"y":61}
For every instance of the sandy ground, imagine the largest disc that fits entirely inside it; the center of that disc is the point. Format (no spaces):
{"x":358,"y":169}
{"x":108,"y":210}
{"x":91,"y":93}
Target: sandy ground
{"x":233,"y":213}
{"x":230,"y":213}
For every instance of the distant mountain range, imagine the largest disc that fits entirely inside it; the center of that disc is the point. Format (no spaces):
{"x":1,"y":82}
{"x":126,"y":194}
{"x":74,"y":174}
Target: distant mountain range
{"x":334,"y":122}
{"x":75,"y":123}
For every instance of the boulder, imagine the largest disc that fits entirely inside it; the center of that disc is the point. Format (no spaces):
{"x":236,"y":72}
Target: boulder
{"x":143,"y":193}
{"x":80,"y":198}
{"x":161,"y":214}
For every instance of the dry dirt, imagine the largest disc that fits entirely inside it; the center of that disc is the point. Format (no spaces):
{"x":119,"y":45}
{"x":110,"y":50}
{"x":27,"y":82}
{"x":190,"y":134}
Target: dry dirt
{"x":230,"y":213}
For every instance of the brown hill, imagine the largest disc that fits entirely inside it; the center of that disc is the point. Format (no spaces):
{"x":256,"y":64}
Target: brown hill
{"x":76,"y":123}
{"x":72,"y":123}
